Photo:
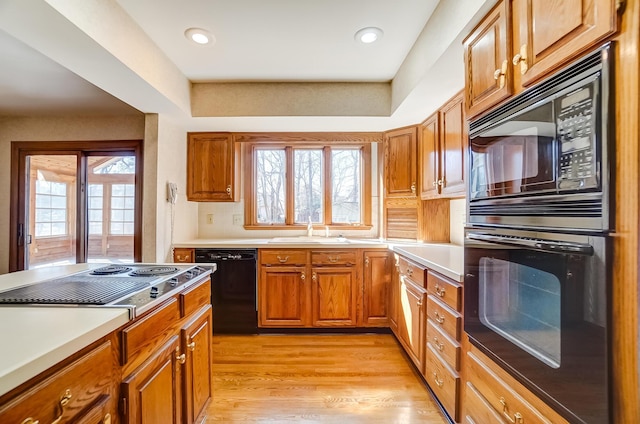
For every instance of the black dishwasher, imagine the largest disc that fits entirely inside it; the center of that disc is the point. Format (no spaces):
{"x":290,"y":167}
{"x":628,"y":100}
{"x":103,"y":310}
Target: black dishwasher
{"x":233,"y":289}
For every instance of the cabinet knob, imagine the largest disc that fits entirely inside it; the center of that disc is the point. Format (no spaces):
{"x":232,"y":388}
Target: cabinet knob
{"x":435,"y":183}
{"x":302,"y":276}
{"x":191,"y":346}
{"x":366,"y":261}
{"x":441,"y":182}
{"x":413,"y":187}
{"x":500,"y":74}
{"x":517,"y":417}
{"x":314,"y":277}
{"x":181,"y":358}
{"x":106,"y":419}
{"x":229,"y":190}
{"x":64,"y":401}
{"x":438,"y":381}
{"x":521,"y":59}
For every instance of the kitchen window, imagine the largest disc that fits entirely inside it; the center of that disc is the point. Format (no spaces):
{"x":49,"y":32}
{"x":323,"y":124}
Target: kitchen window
{"x":292,"y":184}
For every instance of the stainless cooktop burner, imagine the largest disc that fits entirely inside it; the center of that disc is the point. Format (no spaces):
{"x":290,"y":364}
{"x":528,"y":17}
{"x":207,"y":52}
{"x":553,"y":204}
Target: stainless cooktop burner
{"x":153,"y":271}
{"x":111,"y":269}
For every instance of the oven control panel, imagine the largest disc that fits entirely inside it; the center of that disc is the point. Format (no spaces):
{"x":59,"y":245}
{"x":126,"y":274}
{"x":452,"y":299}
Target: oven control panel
{"x":575,"y":126}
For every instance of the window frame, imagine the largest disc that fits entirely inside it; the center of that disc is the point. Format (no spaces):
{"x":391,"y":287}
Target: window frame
{"x":250,"y":200}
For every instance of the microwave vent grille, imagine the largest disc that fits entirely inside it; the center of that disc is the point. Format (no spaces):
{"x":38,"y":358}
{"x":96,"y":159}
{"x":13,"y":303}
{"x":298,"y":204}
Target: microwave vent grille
{"x":585,"y":208}
{"x":589,"y":65}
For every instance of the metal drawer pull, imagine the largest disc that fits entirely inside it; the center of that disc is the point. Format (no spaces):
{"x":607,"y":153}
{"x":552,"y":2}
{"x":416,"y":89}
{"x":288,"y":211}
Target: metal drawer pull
{"x":30,"y":421}
{"x":366,"y":261}
{"x":302,"y":276}
{"x":334,"y":259}
{"x":191,"y":346}
{"x":440,"y":290}
{"x":439,"y":346}
{"x":438,"y":381}
{"x":314,"y":277}
{"x":64,"y":401}
{"x":409,"y":272}
{"x":106,"y":419}
{"x":182,"y":258}
{"x":439,"y":318}
{"x":282,"y":260}
{"x":517,"y":417}
{"x":180,"y":358}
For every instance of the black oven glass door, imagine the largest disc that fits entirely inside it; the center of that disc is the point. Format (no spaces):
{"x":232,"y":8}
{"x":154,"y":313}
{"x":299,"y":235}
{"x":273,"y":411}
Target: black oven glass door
{"x":536,"y":303}
{"x":515,"y":156}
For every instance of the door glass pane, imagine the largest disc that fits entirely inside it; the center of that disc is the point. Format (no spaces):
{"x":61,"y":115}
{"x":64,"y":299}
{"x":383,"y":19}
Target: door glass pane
{"x":308,"y":186}
{"x":270,"y":186}
{"x":51,"y":210}
{"x":111,"y":208}
{"x":522,"y":304}
{"x":346,"y":183}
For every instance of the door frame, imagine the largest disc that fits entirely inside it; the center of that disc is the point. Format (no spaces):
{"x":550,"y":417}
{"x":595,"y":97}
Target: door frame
{"x":21,"y":149}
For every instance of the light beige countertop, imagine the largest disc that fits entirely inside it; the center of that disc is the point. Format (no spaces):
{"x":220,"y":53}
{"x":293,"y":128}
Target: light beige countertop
{"x":447,"y":259}
{"x":34,"y":338}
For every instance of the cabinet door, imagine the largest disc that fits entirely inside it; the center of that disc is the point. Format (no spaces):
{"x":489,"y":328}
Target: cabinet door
{"x":453,"y":143}
{"x":412,"y":308}
{"x":375,"y":291}
{"x":429,"y":157}
{"x":210,"y":167}
{"x":334,"y":294}
{"x":553,"y":32}
{"x":487,"y":52}
{"x":151,"y":393}
{"x":181,"y":254}
{"x":394,"y":298}
{"x":401,"y":152}
{"x":283,"y":297}
{"x":196,"y":343}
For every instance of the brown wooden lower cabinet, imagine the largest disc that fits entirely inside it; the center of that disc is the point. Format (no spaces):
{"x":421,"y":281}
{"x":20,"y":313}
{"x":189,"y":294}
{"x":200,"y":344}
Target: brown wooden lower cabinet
{"x":323,"y":288}
{"x":411,"y":324}
{"x":77,"y":392}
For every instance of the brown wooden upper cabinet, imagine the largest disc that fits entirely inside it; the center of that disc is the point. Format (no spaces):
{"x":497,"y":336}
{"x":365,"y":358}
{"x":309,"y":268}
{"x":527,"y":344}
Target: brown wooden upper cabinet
{"x":211,"y":168}
{"x":401,"y":164}
{"x":442,"y":144}
{"x":521,"y":41}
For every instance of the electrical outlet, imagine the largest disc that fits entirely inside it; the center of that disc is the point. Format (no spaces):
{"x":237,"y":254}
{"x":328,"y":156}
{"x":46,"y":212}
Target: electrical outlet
{"x":209,"y":218}
{"x":237,"y":219}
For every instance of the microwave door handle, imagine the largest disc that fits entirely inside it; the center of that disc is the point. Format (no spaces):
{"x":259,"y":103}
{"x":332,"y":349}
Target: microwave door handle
{"x":536,"y":244}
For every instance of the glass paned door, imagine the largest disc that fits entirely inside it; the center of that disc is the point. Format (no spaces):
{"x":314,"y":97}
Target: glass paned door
{"x":51,"y":205}
{"x":111,"y":201}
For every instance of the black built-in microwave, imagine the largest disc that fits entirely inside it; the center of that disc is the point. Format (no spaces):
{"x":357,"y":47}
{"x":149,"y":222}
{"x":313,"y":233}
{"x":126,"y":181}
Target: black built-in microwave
{"x":541,"y":160}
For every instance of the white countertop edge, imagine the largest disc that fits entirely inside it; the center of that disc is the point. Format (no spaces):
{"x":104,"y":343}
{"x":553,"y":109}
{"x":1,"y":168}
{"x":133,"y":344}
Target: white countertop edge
{"x":455,"y":256}
{"x":13,"y":375}
{"x":267,"y":244}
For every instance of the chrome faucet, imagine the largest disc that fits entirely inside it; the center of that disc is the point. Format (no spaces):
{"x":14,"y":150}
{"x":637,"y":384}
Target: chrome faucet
{"x":309,"y":228}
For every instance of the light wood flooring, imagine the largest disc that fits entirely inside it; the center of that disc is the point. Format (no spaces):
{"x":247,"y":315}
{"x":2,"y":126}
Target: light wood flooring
{"x":319,"y":378}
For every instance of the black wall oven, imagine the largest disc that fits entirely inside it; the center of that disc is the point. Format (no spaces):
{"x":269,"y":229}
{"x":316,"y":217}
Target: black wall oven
{"x":537,"y":244}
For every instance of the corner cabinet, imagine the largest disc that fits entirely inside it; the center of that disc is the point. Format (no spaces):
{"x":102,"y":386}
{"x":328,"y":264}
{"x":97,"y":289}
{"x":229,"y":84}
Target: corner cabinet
{"x":521,"y":41}
{"x":211,"y":168}
{"x":442,"y":145}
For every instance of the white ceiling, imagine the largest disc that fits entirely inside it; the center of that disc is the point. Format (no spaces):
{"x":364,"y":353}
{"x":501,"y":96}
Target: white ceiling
{"x":256,"y":40}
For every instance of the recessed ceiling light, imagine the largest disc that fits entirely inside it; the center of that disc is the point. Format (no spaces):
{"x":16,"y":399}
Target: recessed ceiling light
{"x":199,"y":35}
{"x":368,"y":35}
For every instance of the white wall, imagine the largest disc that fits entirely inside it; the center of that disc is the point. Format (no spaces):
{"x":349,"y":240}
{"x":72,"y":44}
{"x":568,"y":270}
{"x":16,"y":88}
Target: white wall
{"x":457,"y":219}
{"x":53,"y":129}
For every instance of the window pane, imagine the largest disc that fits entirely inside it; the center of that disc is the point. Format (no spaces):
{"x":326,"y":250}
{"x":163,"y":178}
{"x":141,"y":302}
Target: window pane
{"x":59,"y":189}
{"x":43,"y":201}
{"x":307,"y":186}
{"x":95,"y":228}
{"x":95,"y":202}
{"x":58,"y":229}
{"x":270,"y":186}
{"x":58,"y":202}
{"x":43,"y":215}
{"x":116,"y":228}
{"x":43,"y":187}
{"x":95,"y":189}
{"x":58,"y":215}
{"x":345,"y":193}
{"x":128,"y":228}
{"x":117,"y":202}
{"x":118,"y":190}
{"x":95,"y":215}
{"x":117,"y":215}
{"x":43,"y":229}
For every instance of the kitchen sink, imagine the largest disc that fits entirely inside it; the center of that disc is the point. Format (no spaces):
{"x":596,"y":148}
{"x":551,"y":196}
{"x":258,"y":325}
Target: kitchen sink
{"x":312,"y":239}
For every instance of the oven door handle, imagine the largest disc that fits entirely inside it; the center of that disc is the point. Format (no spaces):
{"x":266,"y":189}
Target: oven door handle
{"x":536,"y":244}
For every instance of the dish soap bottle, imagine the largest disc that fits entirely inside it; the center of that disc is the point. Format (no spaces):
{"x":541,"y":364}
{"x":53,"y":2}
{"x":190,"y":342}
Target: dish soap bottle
{"x":309,"y":228}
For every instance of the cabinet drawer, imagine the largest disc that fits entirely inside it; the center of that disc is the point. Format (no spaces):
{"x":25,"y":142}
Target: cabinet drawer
{"x":502,"y":398}
{"x":443,"y":317}
{"x":446,"y":290}
{"x":444,"y":381}
{"x":183,"y":255}
{"x":150,"y":330}
{"x":83,"y":384}
{"x":448,"y":348}
{"x":476,"y":408}
{"x":195,"y":297}
{"x":414,"y":271}
{"x":334,"y":258}
{"x":283,"y":257}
